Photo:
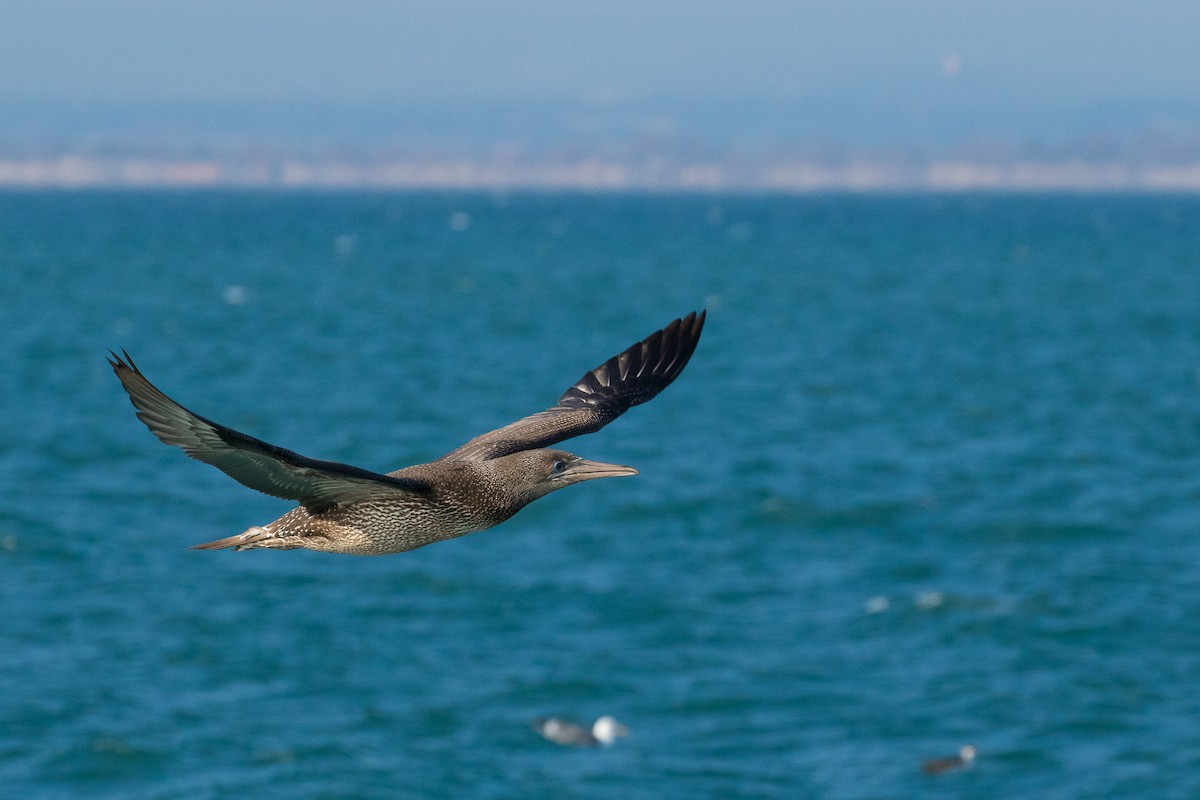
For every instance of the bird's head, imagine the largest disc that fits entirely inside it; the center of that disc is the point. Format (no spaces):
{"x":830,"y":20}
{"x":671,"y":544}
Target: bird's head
{"x":536,"y":473}
{"x":606,"y":730}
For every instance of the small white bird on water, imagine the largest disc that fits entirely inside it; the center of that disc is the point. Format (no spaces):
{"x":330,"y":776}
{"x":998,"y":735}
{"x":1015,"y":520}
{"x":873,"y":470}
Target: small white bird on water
{"x":604,"y":731}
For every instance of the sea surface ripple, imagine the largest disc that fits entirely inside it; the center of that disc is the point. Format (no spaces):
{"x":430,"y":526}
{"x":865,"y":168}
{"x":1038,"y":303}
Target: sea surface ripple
{"x":932,"y":477}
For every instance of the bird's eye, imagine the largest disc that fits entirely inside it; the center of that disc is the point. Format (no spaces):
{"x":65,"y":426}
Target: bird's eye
{"x":559,"y":466}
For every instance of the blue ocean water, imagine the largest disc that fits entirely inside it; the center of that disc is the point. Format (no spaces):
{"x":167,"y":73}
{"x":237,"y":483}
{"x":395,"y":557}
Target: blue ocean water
{"x":932,"y":477}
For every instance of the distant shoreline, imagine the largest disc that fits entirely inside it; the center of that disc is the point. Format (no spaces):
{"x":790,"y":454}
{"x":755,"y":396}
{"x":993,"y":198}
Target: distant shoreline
{"x":593,"y":174}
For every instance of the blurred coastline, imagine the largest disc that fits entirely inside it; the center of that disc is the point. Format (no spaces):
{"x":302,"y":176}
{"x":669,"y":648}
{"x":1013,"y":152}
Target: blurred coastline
{"x":755,"y":144}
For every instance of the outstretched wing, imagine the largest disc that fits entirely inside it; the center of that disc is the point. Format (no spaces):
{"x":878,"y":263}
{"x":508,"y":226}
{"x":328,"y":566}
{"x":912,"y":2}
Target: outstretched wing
{"x":626,"y":380}
{"x":318,"y":485}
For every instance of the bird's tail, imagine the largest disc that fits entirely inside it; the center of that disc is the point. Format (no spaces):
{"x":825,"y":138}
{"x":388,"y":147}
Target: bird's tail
{"x":243,"y":541}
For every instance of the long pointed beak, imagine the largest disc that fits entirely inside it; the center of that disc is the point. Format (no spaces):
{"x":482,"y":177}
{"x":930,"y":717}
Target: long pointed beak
{"x":584,"y":470}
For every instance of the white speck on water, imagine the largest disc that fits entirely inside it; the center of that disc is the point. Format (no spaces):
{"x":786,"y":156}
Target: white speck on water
{"x":740,"y":232}
{"x":877,"y":604}
{"x":235,"y":295}
{"x":8,"y":542}
{"x":345,"y":244}
{"x":460,"y":221}
{"x":928,"y":600}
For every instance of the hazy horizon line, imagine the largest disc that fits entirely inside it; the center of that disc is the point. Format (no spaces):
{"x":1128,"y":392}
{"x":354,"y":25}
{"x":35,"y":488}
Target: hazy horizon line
{"x":594,"y":173}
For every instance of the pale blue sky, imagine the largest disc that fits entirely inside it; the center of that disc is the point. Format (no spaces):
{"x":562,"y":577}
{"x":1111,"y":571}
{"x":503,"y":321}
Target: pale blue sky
{"x":1042,"y":62}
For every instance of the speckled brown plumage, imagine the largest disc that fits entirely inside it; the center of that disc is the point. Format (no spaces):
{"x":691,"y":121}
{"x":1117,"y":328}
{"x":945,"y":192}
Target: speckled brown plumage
{"x":345,"y":509}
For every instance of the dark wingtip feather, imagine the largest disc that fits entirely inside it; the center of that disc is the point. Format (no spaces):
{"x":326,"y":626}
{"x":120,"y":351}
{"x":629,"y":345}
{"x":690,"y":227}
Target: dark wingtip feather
{"x":660,"y":357}
{"x":122,"y":362}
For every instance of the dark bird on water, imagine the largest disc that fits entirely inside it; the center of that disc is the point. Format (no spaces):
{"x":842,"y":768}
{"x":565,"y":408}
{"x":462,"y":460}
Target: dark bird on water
{"x":963,"y":758}
{"x":345,"y":509}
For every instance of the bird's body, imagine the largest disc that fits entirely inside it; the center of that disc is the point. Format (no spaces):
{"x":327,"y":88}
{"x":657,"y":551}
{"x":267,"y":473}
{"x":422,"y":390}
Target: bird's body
{"x":963,"y":758}
{"x":344,"y":509}
{"x":603,"y":731}
{"x":464,"y":497}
